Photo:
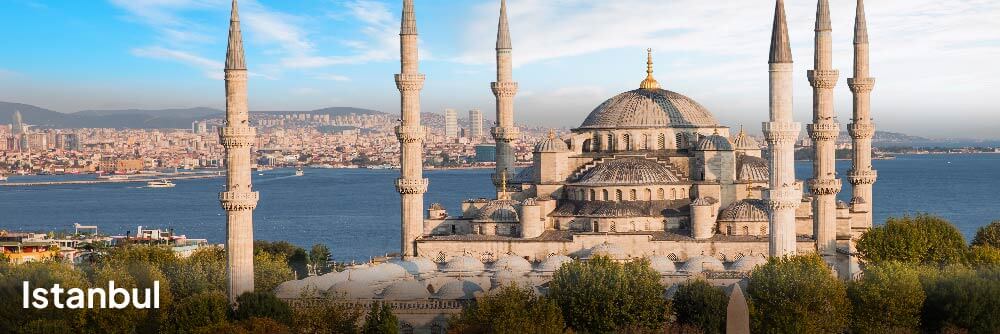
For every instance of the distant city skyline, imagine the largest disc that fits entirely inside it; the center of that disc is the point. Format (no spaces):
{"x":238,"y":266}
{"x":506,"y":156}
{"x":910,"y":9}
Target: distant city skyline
{"x":929,"y":57}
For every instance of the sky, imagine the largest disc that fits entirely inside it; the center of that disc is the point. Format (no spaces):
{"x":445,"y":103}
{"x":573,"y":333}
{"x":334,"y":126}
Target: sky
{"x":935,"y":61}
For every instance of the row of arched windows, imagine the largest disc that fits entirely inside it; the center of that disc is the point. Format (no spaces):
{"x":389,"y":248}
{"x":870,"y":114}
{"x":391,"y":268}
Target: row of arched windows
{"x":620,"y":195}
{"x":626,"y":142}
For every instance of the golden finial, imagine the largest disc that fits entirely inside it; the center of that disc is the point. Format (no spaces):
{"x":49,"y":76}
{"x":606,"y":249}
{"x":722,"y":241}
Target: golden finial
{"x":503,"y":185}
{"x":552,"y":134}
{"x":650,"y":82}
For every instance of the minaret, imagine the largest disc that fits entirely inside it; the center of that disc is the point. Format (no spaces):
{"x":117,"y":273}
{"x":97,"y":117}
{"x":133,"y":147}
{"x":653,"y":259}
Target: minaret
{"x":781,"y":133}
{"x":824,"y":131}
{"x":411,"y":185}
{"x":504,"y":89}
{"x":862,"y":129}
{"x":239,"y":199}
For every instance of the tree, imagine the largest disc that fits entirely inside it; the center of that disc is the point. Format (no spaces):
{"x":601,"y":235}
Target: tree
{"x":265,"y":326}
{"x":380,"y":320}
{"x":38,"y":274}
{"x":983,"y":256}
{"x":281,"y":248}
{"x":270,"y":271}
{"x":203,"y":271}
{"x":197,"y":311}
{"x":797,"y":294}
{"x":133,"y":275}
{"x":512,"y":309}
{"x":319,"y":259}
{"x":299,"y":261}
{"x":702,"y":305}
{"x":988,"y":235}
{"x":600,"y":295}
{"x":330,"y":318}
{"x":921,"y":239}
{"x":958,"y":297}
{"x":262,"y":305}
{"x":887,"y":299}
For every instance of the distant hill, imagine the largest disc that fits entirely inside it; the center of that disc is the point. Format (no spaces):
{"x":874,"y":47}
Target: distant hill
{"x":139,"y":118}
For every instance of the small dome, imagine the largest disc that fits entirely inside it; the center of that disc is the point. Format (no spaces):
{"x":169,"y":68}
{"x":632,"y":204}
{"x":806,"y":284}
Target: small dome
{"x":842,"y":205}
{"x":715,"y":142}
{"x":662,"y":264}
{"x":628,"y":171}
{"x":529,"y":202}
{"x":383,"y":272}
{"x":289,"y":289}
{"x":552,"y":263}
{"x":748,"y":210}
{"x":458,"y":289}
{"x":702,"y":263}
{"x":748,"y":262}
{"x":352,"y":290}
{"x":436,"y":206}
{"x":743,"y":142}
{"x":417,"y":265}
{"x":751,"y":168}
{"x":858,"y":200}
{"x":500,"y":211}
{"x":649,"y":108}
{"x":325,"y":281}
{"x":552,"y":144}
{"x":406,"y":290}
{"x":611,"y":251}
{"x":506,"y":277}
{"x":513,"y":263}
{"x":463,"y":264}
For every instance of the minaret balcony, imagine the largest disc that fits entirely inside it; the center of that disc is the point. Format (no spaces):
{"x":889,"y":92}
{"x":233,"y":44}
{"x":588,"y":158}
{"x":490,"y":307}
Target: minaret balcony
{"x":781,"y":132}
{"x":861,"y":85}
{"x":824,"y":131}
{"x":410,"y":133}
{"x":239,"y":200}
{"x":237,"y":136}
{"x":823,"y":79}
{"x":859,"y":177}
{"x":411,"y":186}
{"x":861,"y":130}
{"x":408,"y":82}
{"x":825,"y":186}
{"x":787,"y":197}
{"x":504,"y":89}
{"x":505,"y":134}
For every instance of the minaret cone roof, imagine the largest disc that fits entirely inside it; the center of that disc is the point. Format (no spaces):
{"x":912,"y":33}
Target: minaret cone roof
{"x":649,"y":82}
{"x":823,"y":16}
{"x":409,"y":23}
{"x":860,"y":25}
{"x":235,"y":59}
{"x":781,"y":51}
{"x":503,"y":29}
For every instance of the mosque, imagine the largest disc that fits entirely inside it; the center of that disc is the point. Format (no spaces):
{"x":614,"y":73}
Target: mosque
{"x":649,"y":173}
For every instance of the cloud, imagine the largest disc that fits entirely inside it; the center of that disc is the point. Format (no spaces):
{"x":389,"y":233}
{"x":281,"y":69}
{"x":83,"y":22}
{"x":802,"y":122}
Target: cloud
{"x":333,"y":77}
{"x":211,"y":68}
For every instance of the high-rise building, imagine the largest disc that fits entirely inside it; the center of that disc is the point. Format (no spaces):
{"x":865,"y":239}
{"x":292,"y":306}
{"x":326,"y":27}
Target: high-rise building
{"x":475,"y":125}
{"x":17,"y":128}
{"x":450,"y":124}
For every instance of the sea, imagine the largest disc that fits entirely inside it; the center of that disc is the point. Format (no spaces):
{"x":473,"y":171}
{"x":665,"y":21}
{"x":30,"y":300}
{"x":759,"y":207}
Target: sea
{"x":356,"y":211}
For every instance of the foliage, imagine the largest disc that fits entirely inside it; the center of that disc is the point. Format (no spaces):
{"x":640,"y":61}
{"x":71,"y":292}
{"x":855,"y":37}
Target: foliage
{"x":220,"y":328}
{"x":327,"y":319}
{"x":600,"y":295}
{"x":299,"y":261}
{"x":280,"y":248}
{"x":270,"y":271}
{"x":983,"y":256}
{"x":203,"y":271}
{"x":702,"y":305}
{"x":140,"y":275}
{"x":888,"y":299}
{"x":797,"y":294}
{"x":319,"y":259}
{"x":988,"y":235}
{"x":262,"y":305}
{"x":197,"y":311}
{"x":921,"y":239}
{"x":265,"y":326}
{"x":39,"y":274}
{"x":512,"y":309}
{"x":380,"y":320}
{"x":960,"y":298}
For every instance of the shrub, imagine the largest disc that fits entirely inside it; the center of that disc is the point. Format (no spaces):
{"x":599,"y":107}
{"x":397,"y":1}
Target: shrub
{"x":197,"y":311}
{"x":988,"y":235}
{"x":701,"y":305}
{"x":797,"y":294}
{"x":262,"y":305}
{"x":512,"y":309}
{"x":380,"y":320}
{"x":960,"y":298}
{"x":888,"y":299}
{"x":600,"y":295}
{"x":921,"y":239}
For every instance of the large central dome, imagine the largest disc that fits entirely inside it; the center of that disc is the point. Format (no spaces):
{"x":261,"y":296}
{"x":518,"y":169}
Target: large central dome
{"x":647,"y":108}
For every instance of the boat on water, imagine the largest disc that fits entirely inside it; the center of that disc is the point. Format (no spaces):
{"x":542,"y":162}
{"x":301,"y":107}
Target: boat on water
{"x":160,"y":184}
{"x":299,"y":172}
{"x":3,"y":178}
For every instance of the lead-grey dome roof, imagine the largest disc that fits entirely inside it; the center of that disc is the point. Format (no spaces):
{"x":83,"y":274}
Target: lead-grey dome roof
{"x":646,"y":108}
{"x":499,"y":211}
{"x":748,"y":210}
{"x":626,"y":171}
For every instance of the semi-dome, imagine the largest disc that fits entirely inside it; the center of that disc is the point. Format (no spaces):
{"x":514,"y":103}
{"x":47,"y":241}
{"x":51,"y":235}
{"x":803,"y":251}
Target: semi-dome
{"x":649,"y":108}
{"x":747,"y":210}
{"x":512,"y":263}
{"x":702,"y":263}
{"x":715,"y":142}
{"x":458,"y":289}
{"x":551,"y":144}
{"x":627,"y":171}
{"x":463,"y":264}
{"x":609,"y":250}
{"x":406,"y":290}
{"x":662,"y":264}
{"x":552,"y":263}
{"x":499,"y":211}
{"x":748,"y":262}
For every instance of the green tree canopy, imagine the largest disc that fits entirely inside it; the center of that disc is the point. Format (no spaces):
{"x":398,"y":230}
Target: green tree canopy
{"x":380,"y":320}
{"x":299,"y":261}
{"x":270,"y":271}
{"x":512,"y":309}
{"x":797,"y":294}
{"x":887,"y":299}
{"x":921,"y":239}
{"x":319,"y":259}
{"x":200,"y":310}
{"x":702,"y":305}
{"x":601,"y":295}
{"x":988,"y":235}
{"x":262,"y":305}
{"x":39,"y":274}
{"x":958,"y":297}
{"x":330,"y":318}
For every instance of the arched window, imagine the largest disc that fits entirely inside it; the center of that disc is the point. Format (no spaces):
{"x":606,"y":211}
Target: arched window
{"x":513,"y":231}
{"x":605,"y":193}
{"x":673,"y":193}
{"x":593,"y":195}
{"x":681,"y":142}
{"x":596,"y":145}
{"x":618,"y":195}
{"x":644,"y":145}
{"x":559,"y":226}
{"x":627,"y":139}
{"x":729,"y":230}
{"x":649,"y":194}
{"x":632,"y":195}
{"x":588,"y":145}
{"x":659,"y":194}
{"x":595,"y":226}
{"x":496,"y":230}
{"x":661,"y":142}
{"x":454,"y":229}
{"x":746,"y":230}
{"x":611,"y":142}
{"x":581,"y":195}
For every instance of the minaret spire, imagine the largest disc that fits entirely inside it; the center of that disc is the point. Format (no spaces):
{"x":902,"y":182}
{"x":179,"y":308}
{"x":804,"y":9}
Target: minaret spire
{"x":239,"y":200}
{"x":862,"y":176}
{"x":824,"y":132}
{"x":411,"y":183}
{"x":783,"y":195}
{"x":649,"y":82}
{"x":505,"y":133}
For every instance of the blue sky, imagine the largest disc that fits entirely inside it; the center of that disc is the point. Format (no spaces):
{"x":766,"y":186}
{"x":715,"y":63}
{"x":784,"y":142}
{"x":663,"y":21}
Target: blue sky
{"x":934,"y":60}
